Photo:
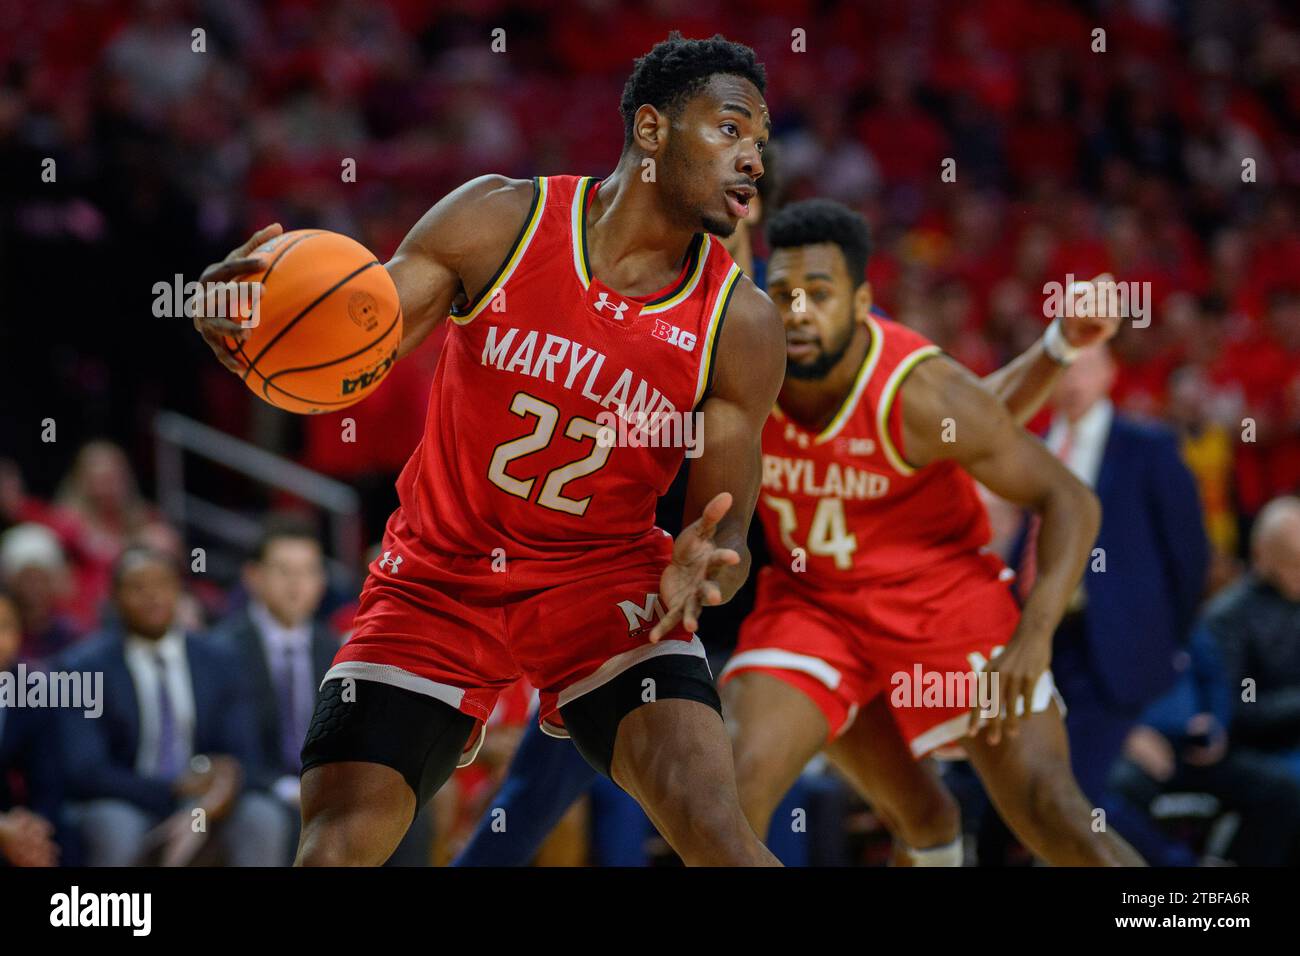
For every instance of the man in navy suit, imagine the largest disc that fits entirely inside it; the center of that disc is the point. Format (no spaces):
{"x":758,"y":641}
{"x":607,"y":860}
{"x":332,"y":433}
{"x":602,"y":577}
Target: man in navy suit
{"x":1115,"y":650}
{"x":285,"y":650}
{"x":176,"y":737}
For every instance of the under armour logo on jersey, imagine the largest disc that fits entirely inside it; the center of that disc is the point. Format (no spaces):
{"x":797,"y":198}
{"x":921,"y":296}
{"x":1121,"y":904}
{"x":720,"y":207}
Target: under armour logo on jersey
{"x":602,"y":303}
{"x":793,"y":434}
{"x":861,"y":446}
{"x":390,"y":562}
{"x":608,"y":304}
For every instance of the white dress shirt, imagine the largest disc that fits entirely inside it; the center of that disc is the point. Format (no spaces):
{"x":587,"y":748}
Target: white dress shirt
{"x":279,"y":641}
{"x":1088,"y":442}
{"x":142,"y":663}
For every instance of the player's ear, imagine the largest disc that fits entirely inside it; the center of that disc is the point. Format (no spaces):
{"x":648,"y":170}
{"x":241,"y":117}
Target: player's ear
{"x":862,"y":300}
{"x":650,"y":129}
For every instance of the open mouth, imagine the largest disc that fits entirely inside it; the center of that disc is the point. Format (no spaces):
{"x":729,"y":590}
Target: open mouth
{"x":801,"y":346}
{"x":738,"y":198}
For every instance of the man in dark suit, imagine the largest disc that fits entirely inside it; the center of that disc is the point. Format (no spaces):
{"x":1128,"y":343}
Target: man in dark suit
{"x":1116,"y":648}
{"x":285,"y":650}
{"x":166,"y":762}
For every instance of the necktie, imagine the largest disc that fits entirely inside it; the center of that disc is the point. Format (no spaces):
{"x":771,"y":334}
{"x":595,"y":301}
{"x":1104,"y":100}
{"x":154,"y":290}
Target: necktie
{"x":1028,"y":571}
{"x":168,"y":766}
{"x":292,"y":729}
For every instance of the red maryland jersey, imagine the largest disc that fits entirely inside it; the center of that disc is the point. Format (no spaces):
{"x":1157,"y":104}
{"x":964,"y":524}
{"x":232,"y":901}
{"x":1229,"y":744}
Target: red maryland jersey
{"x":843,"y":508}
{"x":513,"y":455}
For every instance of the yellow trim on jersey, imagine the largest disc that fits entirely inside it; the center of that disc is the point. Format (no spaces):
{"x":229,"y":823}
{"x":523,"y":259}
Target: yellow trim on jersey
{"x":887,"y":396}
{"x":688,"y":288}
{"x":576,"y":227}
{"x":859,"y":384}
{"x":699,"y":248}
{"x":508,"y":267}
{"x":711,"y":331}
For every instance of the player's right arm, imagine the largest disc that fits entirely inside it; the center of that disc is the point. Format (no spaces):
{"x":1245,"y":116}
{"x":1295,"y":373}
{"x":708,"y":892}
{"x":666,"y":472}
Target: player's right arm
{"x":452,"y":253}
{"x":949,"y":415}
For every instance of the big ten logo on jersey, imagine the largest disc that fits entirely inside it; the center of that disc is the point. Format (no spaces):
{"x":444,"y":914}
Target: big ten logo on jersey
{"x":641,"y":617}
{"x":674,"y":336}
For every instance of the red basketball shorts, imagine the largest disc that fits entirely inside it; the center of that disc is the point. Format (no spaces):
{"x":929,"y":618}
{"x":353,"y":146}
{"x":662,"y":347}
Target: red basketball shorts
{"x":920,"y":643}
{"x":462,"y":629}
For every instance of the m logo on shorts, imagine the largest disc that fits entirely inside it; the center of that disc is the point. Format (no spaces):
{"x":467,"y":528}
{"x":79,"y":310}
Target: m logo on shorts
{"x":641,"y":616}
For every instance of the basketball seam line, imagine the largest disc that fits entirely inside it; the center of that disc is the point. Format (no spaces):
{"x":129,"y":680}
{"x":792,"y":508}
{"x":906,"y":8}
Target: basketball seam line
{"x":267,"y":382}
{"x":297,"y":318}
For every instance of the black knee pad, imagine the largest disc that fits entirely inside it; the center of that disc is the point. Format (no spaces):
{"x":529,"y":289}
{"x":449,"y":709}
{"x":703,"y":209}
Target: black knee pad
{"x":419,"y":737}
{"x":592,"y":720}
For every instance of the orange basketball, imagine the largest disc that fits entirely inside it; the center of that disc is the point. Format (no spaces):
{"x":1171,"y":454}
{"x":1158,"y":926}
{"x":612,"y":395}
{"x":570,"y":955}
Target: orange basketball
{"x":328,"y":323}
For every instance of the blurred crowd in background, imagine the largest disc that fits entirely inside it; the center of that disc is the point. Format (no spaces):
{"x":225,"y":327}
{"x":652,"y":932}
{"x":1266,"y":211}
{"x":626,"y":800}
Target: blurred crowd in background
{"x":1171,"y":157}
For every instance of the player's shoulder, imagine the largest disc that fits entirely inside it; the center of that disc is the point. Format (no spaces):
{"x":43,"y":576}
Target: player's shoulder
{"x":751,"y":346}
{"x":752,"y":317}
{"x":473,"y":227}
{"x":928,"y":385}
{"x":495,"y":197}
{"x":898,"y":340}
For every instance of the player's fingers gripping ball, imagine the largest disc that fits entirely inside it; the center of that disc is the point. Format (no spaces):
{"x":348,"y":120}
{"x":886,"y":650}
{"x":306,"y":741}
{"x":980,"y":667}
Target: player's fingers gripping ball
{"x":324,"y":325}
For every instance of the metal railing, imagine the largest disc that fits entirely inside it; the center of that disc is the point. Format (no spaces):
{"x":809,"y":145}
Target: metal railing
{"x":176,"y":434}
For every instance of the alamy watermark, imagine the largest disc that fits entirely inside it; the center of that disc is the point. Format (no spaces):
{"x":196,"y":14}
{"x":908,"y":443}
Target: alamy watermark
{"x":946,"y":689}
{"x":660,"y":429}
{"x":238,"y":301}
{"x":68,"y":690}
{"x":1126,"y":300}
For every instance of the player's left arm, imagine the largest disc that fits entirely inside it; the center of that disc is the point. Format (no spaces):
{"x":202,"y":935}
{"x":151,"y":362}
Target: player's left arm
{"x":941,"y":400}
{"x":710,"y":557}
{"x":1024,"y":383}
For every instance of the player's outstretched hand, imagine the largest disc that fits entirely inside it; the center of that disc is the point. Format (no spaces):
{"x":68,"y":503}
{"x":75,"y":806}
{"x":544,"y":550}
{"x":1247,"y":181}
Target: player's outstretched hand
{"x":213,"y":327}
{"x":1091,"y":324}
{"x":1018,"y":667}
{"x":687,"y":585}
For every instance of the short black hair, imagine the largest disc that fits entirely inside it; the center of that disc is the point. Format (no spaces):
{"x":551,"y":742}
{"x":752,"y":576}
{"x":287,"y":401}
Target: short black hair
{"x":134,"y":555}
{"x":811,"y":221}
{"x":675,"y":69}
{"x":281,"y":526}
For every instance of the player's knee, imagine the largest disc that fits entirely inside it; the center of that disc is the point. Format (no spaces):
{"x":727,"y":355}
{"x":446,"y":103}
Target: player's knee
{"x":716,"y":827}
{"x":933,"y":818}
{"x":1054,"y":801}
{"x":327,"y":842}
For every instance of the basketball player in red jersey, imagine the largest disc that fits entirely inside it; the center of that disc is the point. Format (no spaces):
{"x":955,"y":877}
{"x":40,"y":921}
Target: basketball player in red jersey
{"x":881,"y":576}
{"x":525,"y":542}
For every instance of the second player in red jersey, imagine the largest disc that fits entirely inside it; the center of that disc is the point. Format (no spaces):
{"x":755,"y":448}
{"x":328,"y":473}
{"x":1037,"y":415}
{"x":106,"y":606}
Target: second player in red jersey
{"x":858,"y":535}
{"x":881,"y":581}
